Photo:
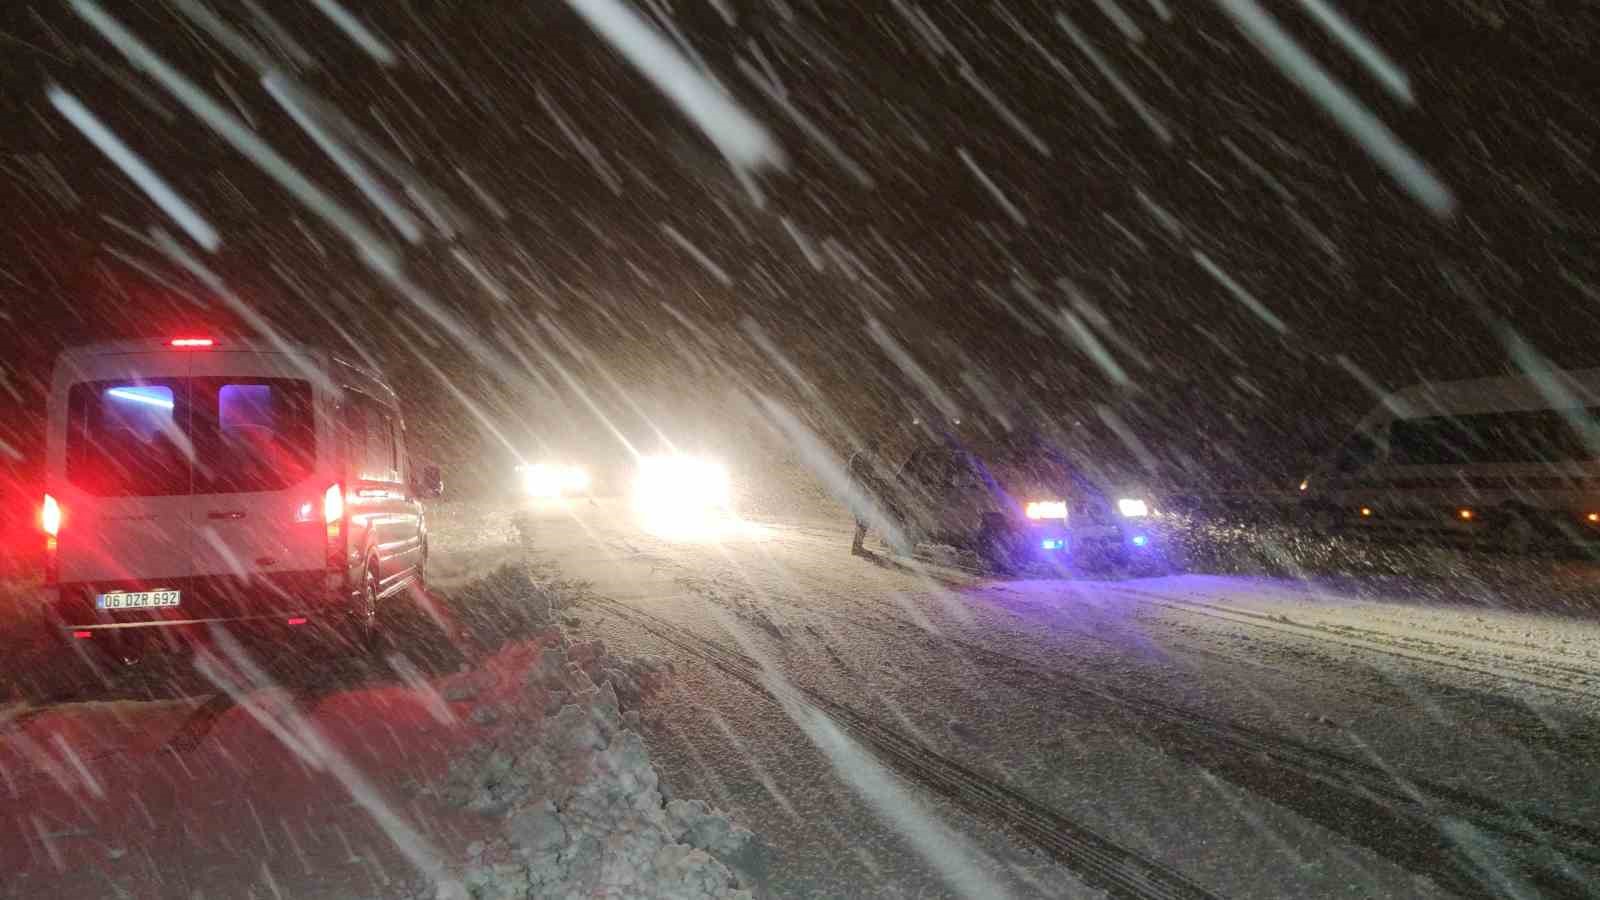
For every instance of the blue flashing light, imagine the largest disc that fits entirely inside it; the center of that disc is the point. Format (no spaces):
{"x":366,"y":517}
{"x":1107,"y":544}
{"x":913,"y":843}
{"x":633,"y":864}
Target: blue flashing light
{"x":1053,"y":544}
{"x":148,"y":396}
{"x":1140,"y":540}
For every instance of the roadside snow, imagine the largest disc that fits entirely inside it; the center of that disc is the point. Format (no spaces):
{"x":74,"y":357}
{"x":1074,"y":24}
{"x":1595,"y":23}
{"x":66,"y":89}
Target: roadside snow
{"x":565,"y":781}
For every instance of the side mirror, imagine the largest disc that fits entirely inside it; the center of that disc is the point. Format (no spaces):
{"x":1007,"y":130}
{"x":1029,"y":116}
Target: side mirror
{"x":431,"y":484}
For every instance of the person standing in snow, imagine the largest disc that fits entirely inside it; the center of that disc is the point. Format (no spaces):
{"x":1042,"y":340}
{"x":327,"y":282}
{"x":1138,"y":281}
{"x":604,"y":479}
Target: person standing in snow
{"x":870,"y":486}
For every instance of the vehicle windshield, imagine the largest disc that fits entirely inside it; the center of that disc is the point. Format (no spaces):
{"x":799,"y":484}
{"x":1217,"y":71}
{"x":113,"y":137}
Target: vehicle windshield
{"x":168,"y":436}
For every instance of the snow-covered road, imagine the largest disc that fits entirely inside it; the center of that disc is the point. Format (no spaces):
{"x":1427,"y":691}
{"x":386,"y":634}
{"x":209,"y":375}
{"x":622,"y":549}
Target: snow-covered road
{"x":1173,"y":736}
{"x":894,"y":729}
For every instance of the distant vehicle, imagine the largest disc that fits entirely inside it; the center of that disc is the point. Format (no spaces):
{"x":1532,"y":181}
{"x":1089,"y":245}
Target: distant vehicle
{"x":1020,"y":503}
{"x":551,"y":481}
{"x":1512,"y":462}
{"x":196,"y":481}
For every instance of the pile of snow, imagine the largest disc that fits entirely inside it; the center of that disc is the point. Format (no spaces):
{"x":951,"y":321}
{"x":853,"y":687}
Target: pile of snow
{"x":564,"y":784}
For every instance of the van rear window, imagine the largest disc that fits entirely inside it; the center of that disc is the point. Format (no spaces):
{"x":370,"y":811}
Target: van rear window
{"x":161,"y":437}
{"x":252,"y":434}
{"x":129,"y":438}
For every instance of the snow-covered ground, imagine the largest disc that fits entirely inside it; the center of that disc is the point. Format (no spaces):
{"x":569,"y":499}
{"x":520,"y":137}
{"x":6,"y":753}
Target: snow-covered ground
{"x":881,"y":727}
{"x":1244,"y":736}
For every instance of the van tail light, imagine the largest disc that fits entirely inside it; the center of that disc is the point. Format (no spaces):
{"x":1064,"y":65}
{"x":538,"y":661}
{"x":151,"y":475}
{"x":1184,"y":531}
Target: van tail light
{"x":50,"y":516}
{"x":50,"y":523}
{"x":333,"y":504}
{"x":333,"y":518}
{"x":83,"y":635}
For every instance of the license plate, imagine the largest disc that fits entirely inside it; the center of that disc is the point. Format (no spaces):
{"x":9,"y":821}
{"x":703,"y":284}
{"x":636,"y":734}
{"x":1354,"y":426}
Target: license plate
{"x":136,"y":600}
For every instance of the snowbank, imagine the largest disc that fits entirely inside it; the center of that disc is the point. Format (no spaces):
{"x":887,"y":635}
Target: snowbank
{"x":574,"y":806}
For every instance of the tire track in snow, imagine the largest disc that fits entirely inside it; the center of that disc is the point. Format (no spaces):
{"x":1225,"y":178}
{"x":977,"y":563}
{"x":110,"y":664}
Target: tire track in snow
{"x":1100,"y":862}
{"x":1545,"y":675}
{"x":1399,"y":818}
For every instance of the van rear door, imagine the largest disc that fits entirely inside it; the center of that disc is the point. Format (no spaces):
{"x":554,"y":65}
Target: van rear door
{"x":125,"y":497}
{"x":258,"y":486}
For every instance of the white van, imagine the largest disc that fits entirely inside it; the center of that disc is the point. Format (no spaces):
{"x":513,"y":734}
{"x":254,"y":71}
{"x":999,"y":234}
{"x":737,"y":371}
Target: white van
{"x":1511,"y":461}
{"x":196,"y":481}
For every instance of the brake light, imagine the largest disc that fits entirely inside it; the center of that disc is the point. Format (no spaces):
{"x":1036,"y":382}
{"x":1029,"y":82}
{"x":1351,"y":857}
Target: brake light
{"x":297,"y":620}
{"x":50,"y":516}
{"x":83,"y":635}
{"x":333,"y":504}
{"x":50,"y":524}
{"x":191,"y":342}
{"x":333,"y":517}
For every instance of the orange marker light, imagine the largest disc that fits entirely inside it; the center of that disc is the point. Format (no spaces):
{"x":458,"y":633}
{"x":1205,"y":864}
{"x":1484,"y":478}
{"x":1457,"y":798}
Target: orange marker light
{"x":1366,"y":510}
{"x":1465,"y":514}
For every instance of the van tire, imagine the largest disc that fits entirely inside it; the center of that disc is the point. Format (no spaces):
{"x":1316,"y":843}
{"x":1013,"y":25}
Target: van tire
{"x":369,"y":633}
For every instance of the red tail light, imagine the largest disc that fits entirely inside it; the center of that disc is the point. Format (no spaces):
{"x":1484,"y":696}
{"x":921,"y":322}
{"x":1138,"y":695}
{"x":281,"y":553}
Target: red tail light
{"x":50,"y":523}
{"x":50,"y":516}
{"x":83,"y":635}
{"x":191,"y":342}
{"x":297,"y":620}
{"x":333,"y":517}
{"x":333,"y":504}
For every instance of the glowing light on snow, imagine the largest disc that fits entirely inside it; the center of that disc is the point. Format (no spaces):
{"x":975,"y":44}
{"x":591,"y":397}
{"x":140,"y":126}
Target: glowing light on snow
{"x":683,"y":497}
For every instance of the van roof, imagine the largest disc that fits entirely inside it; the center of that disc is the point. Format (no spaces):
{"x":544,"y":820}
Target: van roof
{"x":71,"y":355}
{"x":1507,"y":393}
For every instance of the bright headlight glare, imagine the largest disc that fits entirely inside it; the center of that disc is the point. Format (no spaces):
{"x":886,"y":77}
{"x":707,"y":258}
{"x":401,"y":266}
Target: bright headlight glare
{"x":1046,"y":509}
{"x":1132,"y":508}
{"x":574,"y":479}
{"x":549,"y":480}
{"x":673,"y":485}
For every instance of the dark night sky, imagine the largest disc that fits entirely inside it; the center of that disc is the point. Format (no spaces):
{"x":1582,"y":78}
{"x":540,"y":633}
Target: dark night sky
{"x":1325,"y":240}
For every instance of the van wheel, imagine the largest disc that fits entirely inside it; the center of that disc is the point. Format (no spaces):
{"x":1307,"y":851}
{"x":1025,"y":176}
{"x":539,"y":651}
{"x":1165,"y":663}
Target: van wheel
{"x":368,"y":632}
{"x":422,"y":569}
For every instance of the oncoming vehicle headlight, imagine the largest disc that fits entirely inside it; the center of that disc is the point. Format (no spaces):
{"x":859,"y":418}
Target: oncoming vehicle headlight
{"x":674,"y":491}
{"x":549,"y":480}
{"x":1046,"y":509}
{"x":1133,"y":508}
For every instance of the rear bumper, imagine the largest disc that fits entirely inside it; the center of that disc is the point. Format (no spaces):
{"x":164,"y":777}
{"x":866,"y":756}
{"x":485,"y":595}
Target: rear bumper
{"x":264,"y":599}
{"x":1133,"y":536}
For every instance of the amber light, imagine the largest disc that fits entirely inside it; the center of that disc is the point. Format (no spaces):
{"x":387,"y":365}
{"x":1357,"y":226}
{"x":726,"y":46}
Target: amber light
{"x":1366,"y":510}
{"x":1593,"y":517}
{"x":1464,"y":514}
